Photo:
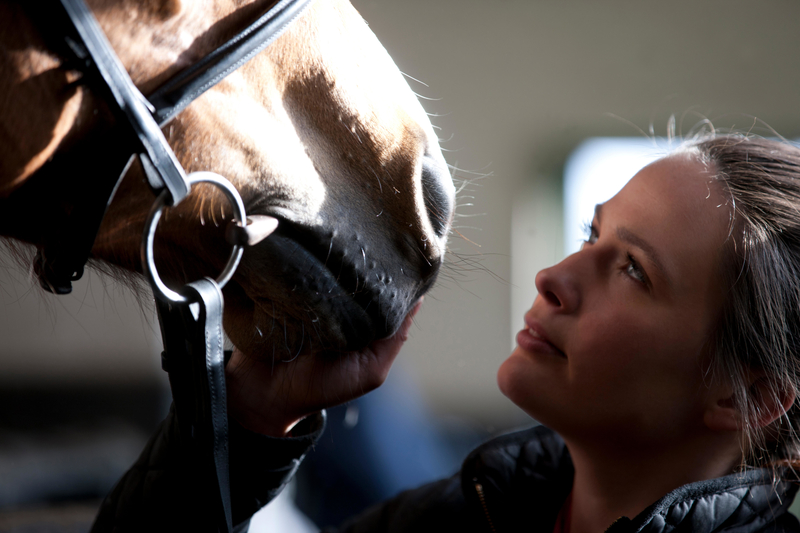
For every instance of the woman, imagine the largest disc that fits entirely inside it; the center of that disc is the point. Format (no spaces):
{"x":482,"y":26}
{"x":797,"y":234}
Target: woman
{"x":662,"y":361}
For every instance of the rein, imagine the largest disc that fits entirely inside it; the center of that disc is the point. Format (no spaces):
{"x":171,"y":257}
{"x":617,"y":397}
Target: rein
{"x":191,"y":318}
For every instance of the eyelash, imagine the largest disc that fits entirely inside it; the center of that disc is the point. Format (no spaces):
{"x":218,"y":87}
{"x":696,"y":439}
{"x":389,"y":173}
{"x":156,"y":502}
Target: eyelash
{"x":590,"y":233}
{"x":632,"y":268}
{"x":639,"y":275}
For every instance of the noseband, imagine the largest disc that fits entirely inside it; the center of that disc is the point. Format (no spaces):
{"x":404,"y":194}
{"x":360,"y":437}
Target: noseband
{"x":191,"y":318}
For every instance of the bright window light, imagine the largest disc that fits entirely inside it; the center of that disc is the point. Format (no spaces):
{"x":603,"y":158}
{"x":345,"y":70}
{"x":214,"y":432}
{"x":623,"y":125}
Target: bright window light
{"x":595,"y":172}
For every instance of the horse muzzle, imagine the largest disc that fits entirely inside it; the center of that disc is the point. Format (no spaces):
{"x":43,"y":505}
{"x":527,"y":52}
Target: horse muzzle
{"x":353,"y":276}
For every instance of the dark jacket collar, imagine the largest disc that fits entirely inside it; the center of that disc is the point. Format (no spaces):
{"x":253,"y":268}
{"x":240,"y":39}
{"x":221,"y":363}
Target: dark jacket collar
{"x":525,"y":477}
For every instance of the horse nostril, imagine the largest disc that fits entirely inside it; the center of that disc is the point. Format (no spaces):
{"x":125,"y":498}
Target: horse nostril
{"x":438,"y":192}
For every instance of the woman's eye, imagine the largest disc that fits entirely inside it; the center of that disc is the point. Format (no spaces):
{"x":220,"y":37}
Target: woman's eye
{"x":634,"y":270}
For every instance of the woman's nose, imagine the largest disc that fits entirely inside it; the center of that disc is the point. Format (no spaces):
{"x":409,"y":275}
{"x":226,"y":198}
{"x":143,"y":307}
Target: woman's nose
{"x":558,"y":285}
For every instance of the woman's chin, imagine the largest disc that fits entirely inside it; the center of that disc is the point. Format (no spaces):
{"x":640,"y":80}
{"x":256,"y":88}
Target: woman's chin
{"x":536,"y":389}
{"x":505,"y":378}
{"x":514,"y":379}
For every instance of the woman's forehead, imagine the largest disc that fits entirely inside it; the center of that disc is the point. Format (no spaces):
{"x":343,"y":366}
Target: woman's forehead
{"x":677,"y":186}
{"x":678,"y":208}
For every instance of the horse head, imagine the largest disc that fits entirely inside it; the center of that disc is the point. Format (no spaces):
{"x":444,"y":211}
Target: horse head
{"x":320,"y":131}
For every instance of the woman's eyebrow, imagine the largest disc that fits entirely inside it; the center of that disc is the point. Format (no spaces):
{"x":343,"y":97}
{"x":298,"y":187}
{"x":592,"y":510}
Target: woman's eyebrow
{"x":626,"y":235}
{"x":631,"y":238}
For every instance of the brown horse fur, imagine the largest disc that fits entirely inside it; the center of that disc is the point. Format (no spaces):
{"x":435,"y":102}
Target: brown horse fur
{"x":319,"y":130}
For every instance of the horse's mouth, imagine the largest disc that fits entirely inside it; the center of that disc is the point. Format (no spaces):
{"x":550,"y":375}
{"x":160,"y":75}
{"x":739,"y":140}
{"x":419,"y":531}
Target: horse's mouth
{"x":324,"y":295}
{"x":321,"y":294}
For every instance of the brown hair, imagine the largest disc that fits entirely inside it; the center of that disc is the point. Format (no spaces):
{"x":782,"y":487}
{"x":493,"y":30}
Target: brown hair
{"x":759,"y":328}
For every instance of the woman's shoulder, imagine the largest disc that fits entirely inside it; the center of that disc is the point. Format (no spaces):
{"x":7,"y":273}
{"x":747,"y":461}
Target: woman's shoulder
{"x":524,"y":477}
{"x":514,"y":457}
{"x":752,"y":501}
{"x":518,"y":478}
{"x":538,"y":445}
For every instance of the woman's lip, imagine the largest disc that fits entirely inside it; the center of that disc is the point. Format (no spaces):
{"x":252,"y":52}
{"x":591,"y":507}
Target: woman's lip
{"x":533,"y":339}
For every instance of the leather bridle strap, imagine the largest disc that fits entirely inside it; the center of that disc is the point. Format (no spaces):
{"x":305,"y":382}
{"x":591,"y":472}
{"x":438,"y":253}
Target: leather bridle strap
{"x":60,"y":262}
{"x":163,"y":169}
{"x":194,"y":359}
{"x":178,"y":92}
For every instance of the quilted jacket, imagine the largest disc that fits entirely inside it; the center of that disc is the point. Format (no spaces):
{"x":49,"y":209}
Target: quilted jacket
{"x":518,"y":482}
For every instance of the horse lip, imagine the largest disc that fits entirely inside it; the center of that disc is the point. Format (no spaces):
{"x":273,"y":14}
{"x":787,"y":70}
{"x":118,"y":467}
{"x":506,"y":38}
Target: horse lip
{"x":308,"y":275}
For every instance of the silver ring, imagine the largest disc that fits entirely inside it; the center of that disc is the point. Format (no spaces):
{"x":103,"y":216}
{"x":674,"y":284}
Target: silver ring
{"x":148,"y":256}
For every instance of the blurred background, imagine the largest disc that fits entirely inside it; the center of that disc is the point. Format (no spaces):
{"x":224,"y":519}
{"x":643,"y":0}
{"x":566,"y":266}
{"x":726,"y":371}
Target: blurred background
{"x":518,"y":90}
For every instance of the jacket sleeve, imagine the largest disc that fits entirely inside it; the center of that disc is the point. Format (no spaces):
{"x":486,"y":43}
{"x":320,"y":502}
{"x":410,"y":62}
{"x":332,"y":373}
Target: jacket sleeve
{"x":435,"y":507}
{"x":158,"y":492}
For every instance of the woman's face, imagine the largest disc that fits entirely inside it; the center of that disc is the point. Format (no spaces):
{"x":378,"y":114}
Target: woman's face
{"x":615,"y":344}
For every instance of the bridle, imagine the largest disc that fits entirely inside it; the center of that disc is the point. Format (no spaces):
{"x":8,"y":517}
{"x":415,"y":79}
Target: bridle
{"x":190,"y":318}
{"x":140,"y":118}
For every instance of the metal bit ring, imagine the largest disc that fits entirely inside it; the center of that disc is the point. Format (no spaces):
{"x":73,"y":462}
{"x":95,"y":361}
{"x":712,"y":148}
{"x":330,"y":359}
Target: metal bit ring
{"x":148,"y":257}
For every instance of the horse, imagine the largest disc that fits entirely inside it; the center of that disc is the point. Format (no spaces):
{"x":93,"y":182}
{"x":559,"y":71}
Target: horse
{"x":320,"y":131}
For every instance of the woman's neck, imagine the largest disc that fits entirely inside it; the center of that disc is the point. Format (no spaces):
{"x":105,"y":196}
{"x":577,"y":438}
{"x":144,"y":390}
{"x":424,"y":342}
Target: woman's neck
{"x":624,"y":482}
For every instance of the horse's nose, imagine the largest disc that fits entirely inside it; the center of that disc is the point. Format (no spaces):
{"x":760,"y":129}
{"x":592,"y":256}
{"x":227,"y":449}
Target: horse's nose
{"x":438,"y":192}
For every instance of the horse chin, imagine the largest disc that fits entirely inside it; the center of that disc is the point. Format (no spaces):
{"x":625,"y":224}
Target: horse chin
{"x":282,"y":331}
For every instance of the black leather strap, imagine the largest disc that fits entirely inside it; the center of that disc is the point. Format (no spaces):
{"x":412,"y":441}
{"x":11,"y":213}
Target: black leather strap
{"x":85,"y":48}
{"x":194,"y":358}
{"x":163,"y":169}
{"x":174,"y":95}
